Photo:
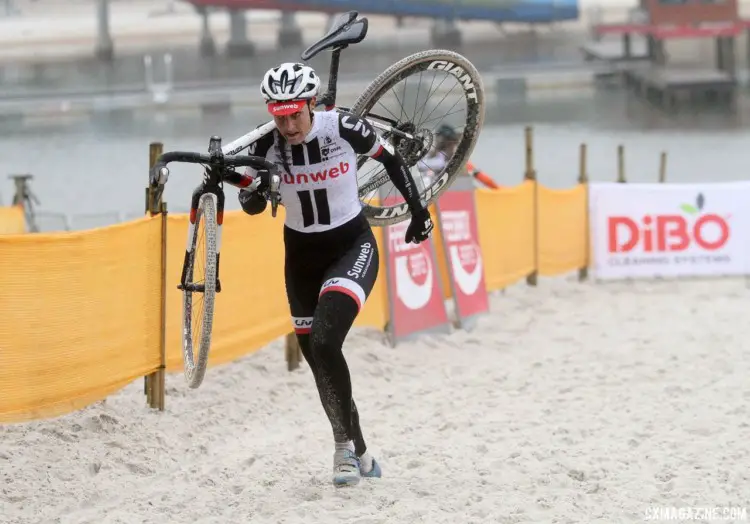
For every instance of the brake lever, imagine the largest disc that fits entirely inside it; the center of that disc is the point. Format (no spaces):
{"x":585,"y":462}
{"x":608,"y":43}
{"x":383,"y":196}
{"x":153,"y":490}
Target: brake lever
{"x":274,"y":185}
{"x":159,"y":175}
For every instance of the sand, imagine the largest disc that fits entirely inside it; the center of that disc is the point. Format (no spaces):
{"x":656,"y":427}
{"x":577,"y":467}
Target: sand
{"x":572,"y":402}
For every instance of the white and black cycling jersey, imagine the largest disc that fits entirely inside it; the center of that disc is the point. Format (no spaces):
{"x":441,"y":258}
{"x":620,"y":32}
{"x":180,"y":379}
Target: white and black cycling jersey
{"x":319,"y":177}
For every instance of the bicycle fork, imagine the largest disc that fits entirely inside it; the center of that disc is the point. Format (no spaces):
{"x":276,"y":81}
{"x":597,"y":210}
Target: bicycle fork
{"x":187,"y":271}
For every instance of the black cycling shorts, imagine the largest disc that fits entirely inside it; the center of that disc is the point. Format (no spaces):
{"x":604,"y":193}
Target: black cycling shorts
{"x":343,"y":260}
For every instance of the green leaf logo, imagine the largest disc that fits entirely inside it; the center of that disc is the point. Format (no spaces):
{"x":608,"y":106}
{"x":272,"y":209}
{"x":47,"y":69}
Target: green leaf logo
{"x":700,"y":201}
{"x":687,"y":208}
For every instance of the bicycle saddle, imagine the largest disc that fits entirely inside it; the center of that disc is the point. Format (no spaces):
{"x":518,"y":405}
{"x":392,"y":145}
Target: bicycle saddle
{"x":346,"y":30}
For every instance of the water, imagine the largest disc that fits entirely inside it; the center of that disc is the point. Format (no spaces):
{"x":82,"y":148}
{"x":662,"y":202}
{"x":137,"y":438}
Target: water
{"x":100,"y":166}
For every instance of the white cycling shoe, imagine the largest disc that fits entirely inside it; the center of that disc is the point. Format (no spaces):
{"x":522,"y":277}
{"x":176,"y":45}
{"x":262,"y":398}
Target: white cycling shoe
{"x":347,"y":468}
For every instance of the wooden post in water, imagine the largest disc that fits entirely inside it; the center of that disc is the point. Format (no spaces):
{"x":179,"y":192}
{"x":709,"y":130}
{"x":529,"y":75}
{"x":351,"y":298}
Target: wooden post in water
{"x":530,"y":174}
{"x":663,"y":167}
{"x":583,"y":178}
{"x":621,"y":164}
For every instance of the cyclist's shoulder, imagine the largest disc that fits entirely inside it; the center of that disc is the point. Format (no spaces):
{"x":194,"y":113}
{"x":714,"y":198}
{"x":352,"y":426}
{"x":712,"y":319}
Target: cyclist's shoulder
{"x":347,"y":118}
{"x":355,"y":129}
{"x":264,"y":142}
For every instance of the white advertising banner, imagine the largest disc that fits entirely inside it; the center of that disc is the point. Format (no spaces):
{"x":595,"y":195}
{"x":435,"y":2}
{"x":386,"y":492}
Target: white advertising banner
{"x":650,"y":230}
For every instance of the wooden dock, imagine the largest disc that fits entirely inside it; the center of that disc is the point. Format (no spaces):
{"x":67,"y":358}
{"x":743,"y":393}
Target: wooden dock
{"x":667,"y":86}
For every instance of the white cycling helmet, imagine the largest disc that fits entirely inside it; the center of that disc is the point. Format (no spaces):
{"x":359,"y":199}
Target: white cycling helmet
{"x":287,"y":88}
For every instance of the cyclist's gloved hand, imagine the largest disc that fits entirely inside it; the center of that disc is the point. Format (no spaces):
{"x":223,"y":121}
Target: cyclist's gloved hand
{"x":252,"y":202}
{"x":263,"y":177}
{"x":420,"y":226}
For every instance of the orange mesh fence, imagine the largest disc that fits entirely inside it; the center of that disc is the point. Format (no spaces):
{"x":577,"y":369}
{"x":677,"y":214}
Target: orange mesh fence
{"x":562,"y":229}
{"x":79,"y":316}
{"x":80,"y":311}
{"x":505,"y":219}
{"x":12,"y":221}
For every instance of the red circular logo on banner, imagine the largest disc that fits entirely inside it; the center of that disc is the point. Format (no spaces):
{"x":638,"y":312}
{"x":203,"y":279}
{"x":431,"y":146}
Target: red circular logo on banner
{"x":418,"y":267}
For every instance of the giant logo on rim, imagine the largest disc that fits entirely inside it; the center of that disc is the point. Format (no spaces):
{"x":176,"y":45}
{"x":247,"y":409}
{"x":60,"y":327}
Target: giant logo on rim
{"x":463,"y":77}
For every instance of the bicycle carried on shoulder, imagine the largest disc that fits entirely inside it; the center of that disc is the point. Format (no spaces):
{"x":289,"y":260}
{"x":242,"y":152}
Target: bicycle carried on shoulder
{"x":412,"y":135}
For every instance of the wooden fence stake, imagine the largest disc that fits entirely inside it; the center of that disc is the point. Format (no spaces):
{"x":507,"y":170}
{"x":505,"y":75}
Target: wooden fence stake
{"x":583,"y":178}
{"x":530,"y":174}
{"x":153,"y":384}
{"x":293,"y":352}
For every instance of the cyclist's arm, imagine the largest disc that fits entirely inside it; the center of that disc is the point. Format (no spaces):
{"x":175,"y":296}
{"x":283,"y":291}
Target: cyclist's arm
{"x":361,"y":135}
{"x":258,"y":148}
{"x":236,"y":179}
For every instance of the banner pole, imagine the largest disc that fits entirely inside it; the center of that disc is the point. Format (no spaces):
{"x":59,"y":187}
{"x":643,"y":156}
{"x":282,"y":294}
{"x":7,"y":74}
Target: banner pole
{"x":531,"y":278}
{"x":621,"y":164}
{"x":663,"y":167}
{"x":390,"y":330}
{"x":459,"y":324}
{"x":583,"y":179}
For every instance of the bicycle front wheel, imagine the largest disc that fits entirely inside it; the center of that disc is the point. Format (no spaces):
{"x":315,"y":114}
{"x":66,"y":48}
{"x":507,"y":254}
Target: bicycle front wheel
{"x":199,"y":290}
{"x":418,"y":96}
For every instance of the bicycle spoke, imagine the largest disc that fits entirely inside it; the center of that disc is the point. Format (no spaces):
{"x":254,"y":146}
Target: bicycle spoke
{"x":383,"y":106}
{"x":416,"y":98}
{"x":403,"y":99}
{"x":441,"y":100}
{"x":445,"y":115}
{"x":429,"y":95}
{"x":197,"y":322}
{"x":198,"y":277}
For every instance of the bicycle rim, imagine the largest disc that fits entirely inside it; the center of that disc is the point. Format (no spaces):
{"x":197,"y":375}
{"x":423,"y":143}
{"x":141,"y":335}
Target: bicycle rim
{"x":419,"y":94}
{"x":199,"y":291}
